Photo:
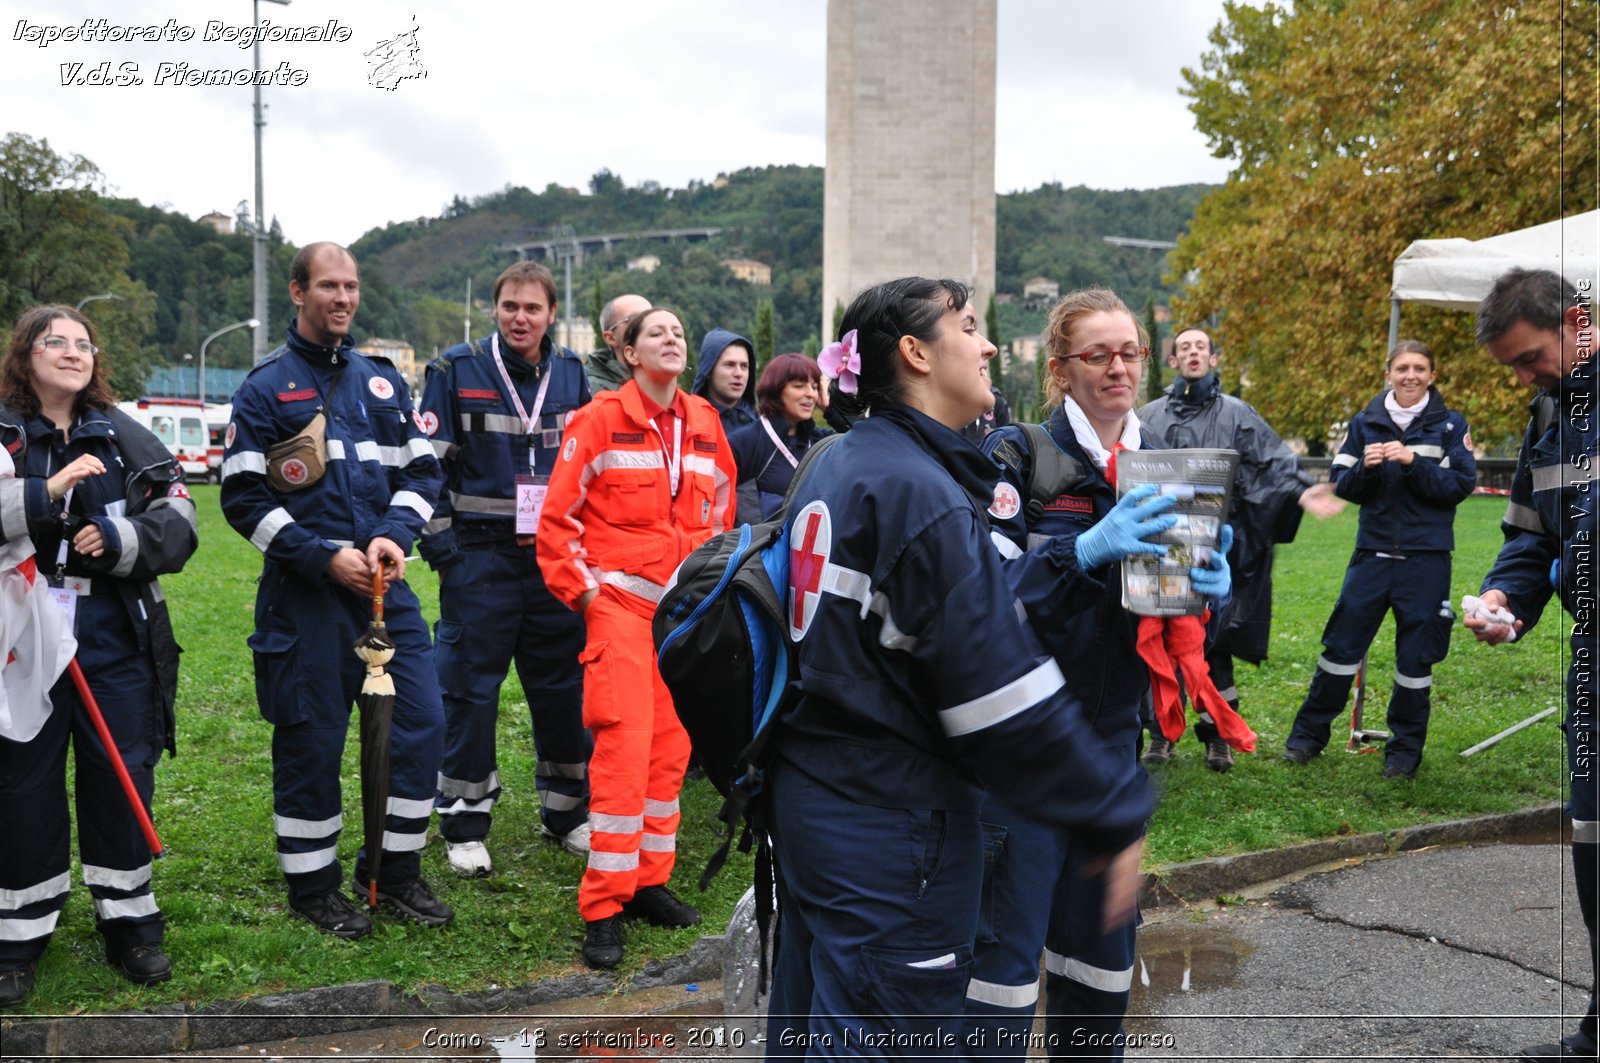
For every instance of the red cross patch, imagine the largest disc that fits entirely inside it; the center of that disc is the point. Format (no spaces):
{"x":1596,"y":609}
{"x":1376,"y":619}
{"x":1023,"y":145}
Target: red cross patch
{"x":810,"y":538}
{"x":381,"y":387}
{"x":1007,"y":502}
{"x":426,"y":420}
{"x":295,"y":472}
{"x":233,"y":433}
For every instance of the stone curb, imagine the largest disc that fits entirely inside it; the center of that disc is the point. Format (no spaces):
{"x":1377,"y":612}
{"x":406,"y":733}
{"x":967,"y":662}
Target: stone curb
{"x":362,"y":1005}
{"x":1204,"y":880}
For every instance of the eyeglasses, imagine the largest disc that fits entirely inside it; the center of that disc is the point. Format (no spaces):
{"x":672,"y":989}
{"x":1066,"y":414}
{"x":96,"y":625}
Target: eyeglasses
{"x":1130,"y":355}
{"x":59,"y":345}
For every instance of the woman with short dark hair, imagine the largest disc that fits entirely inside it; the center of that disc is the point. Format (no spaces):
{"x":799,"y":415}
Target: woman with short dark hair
{"x":920,"y":684}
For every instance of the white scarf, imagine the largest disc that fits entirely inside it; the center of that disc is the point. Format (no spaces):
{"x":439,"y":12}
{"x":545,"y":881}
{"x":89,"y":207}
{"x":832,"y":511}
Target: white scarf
{"x":1402,"y":416}
{"x":1090,"y":441}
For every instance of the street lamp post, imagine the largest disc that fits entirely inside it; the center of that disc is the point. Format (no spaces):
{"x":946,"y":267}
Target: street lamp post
{"x":258,"y":344}
{"x":253,"y":323}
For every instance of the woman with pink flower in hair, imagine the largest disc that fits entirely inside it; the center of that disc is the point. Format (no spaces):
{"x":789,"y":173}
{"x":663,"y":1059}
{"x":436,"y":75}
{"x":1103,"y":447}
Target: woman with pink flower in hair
{"x":920,"y":685}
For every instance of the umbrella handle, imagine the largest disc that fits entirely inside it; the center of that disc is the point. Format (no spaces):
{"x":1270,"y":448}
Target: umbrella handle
{"x":377,"y":595}
{"x":113,"y":755}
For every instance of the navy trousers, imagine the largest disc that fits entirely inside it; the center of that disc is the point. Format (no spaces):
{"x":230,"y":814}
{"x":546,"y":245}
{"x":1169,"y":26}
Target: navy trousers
{"x":1417,"y":588}
{"x":1038,"y":892}
{"x":307,"y":679}
{"x":877,"y":912}
{"x":34,"y":877}
{"x":494,"y":609}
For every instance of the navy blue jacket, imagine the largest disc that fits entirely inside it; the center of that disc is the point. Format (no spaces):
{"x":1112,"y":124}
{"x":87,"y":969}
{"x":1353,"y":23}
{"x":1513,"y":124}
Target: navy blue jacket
{"x":1407,"y":508}
{"x":1552,"y":512}
{"x":140,"y":505}
{"x":1087,"y":629}
{"x":742,"y":412}
{"x":482,"y":443}
{"x":382,"y":478}
{"x":922,"y":680}
{"x":763,"y":468}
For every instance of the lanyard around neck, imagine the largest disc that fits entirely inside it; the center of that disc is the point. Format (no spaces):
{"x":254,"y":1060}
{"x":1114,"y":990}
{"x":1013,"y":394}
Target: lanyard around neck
{"x":530,"y":421}
{"x":777,"y":441}
{"x":674,"y":472}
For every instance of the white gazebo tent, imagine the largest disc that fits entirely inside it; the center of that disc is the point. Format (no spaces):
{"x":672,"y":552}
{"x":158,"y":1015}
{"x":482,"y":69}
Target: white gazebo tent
{"x":1456,"y":274}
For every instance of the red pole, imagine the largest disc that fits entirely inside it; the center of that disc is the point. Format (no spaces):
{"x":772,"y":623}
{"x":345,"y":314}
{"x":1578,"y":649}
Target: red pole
{"x":134,"y":800}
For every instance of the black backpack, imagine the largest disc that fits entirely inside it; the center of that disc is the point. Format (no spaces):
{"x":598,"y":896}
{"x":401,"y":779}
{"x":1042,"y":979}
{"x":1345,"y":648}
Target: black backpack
{"x":722,"y":645}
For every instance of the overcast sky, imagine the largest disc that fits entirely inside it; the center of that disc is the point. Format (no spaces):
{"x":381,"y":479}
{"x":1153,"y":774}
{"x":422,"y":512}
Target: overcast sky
{"x":541,"y":91}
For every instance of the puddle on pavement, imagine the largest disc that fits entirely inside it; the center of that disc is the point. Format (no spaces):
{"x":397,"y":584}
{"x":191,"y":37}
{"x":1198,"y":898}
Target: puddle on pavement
{"x":1176,"y":958}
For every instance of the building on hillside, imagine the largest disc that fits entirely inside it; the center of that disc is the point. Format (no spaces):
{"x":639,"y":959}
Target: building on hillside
{"x":580,"y":339}
{"x":218,"y":221}
{"x":1025,"y":349}
{"x":749,"y":270}
{"x":1040,"y":291}
{"x":647,"y":263}
{"x":401,"y":353}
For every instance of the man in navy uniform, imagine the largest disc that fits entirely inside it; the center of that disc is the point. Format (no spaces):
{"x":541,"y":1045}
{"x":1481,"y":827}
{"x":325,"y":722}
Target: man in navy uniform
{"x":341,"y":502}
{"x":1541,"y":328}
{"x":495,"y":410}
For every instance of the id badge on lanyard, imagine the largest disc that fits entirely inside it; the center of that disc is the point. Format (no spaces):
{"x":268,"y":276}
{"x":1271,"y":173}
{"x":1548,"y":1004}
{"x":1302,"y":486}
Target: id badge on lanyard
{"x":65,"y":590}
{"x":531,"y":486}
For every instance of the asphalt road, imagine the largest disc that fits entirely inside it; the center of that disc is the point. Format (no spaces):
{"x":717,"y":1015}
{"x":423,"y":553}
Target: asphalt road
{"x":1440,"y":953}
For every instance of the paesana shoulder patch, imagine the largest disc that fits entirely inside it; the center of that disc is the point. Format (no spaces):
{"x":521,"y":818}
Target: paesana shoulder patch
{"x":1007,"y":501}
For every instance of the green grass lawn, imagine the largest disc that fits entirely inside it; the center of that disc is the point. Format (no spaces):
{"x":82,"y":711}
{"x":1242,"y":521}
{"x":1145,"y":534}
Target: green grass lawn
{"x":230,"y":936}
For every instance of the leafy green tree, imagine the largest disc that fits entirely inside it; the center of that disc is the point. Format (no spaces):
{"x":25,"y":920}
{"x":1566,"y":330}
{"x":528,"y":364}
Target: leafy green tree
{"x":59,"y":244}
{"x":812,"y":347}
{"x":1355,"y":128}
{"x":597,"y":303}
{"x":762,"y":338}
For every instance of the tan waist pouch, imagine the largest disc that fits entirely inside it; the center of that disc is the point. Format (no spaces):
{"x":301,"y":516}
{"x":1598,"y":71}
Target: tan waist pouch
{"x":301,"y":461}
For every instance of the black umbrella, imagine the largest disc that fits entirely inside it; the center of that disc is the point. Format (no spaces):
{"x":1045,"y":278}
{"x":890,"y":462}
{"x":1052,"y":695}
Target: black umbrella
{"x":376,"y":702}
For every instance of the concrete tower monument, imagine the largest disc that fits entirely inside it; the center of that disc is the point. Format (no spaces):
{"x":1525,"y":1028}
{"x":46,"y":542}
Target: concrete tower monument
{"x":910,"y":169}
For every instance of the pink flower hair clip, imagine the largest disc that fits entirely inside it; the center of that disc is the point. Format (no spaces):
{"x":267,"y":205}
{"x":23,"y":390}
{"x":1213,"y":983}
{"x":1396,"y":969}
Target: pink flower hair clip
{"x":841,"y":361}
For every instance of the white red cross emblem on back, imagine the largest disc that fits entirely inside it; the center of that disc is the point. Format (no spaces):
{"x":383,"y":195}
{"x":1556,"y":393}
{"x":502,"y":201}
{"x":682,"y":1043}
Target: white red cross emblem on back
{"x":810,"y":539}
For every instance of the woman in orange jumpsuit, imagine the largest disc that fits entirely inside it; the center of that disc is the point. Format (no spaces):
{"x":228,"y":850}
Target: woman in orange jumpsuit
{"x":645,"y":476}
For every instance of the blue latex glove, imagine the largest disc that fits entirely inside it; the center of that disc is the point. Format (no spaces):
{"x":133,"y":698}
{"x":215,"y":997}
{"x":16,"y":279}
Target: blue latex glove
{"x":1139,"y":515}
{"x":1215,"y":581}
{"x":1555,"y":575}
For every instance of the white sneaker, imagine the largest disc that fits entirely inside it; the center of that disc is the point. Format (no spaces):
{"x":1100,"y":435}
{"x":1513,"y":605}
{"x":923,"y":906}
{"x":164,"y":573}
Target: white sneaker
{"x":470,"y":859}
{"x":575,"y":841}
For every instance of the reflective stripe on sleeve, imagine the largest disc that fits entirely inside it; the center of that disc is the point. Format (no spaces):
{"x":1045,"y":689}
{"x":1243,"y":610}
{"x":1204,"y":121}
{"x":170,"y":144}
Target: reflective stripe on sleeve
{"x":1427,"y":450}
{"x":273,"y":523}
{"x":414,"y":502}
{"x":245,"y":461}
{"x":129,"y":537}
{"x":1344,"y":461}
{"x":1524,"y":518}
{"x":1000,"y":705}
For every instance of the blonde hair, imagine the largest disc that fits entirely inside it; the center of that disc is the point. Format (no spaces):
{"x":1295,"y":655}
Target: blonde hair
{"x":1073,"y":307}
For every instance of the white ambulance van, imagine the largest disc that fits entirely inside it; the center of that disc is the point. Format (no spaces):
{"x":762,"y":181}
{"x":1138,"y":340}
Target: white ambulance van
{"x":181,"y":425}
